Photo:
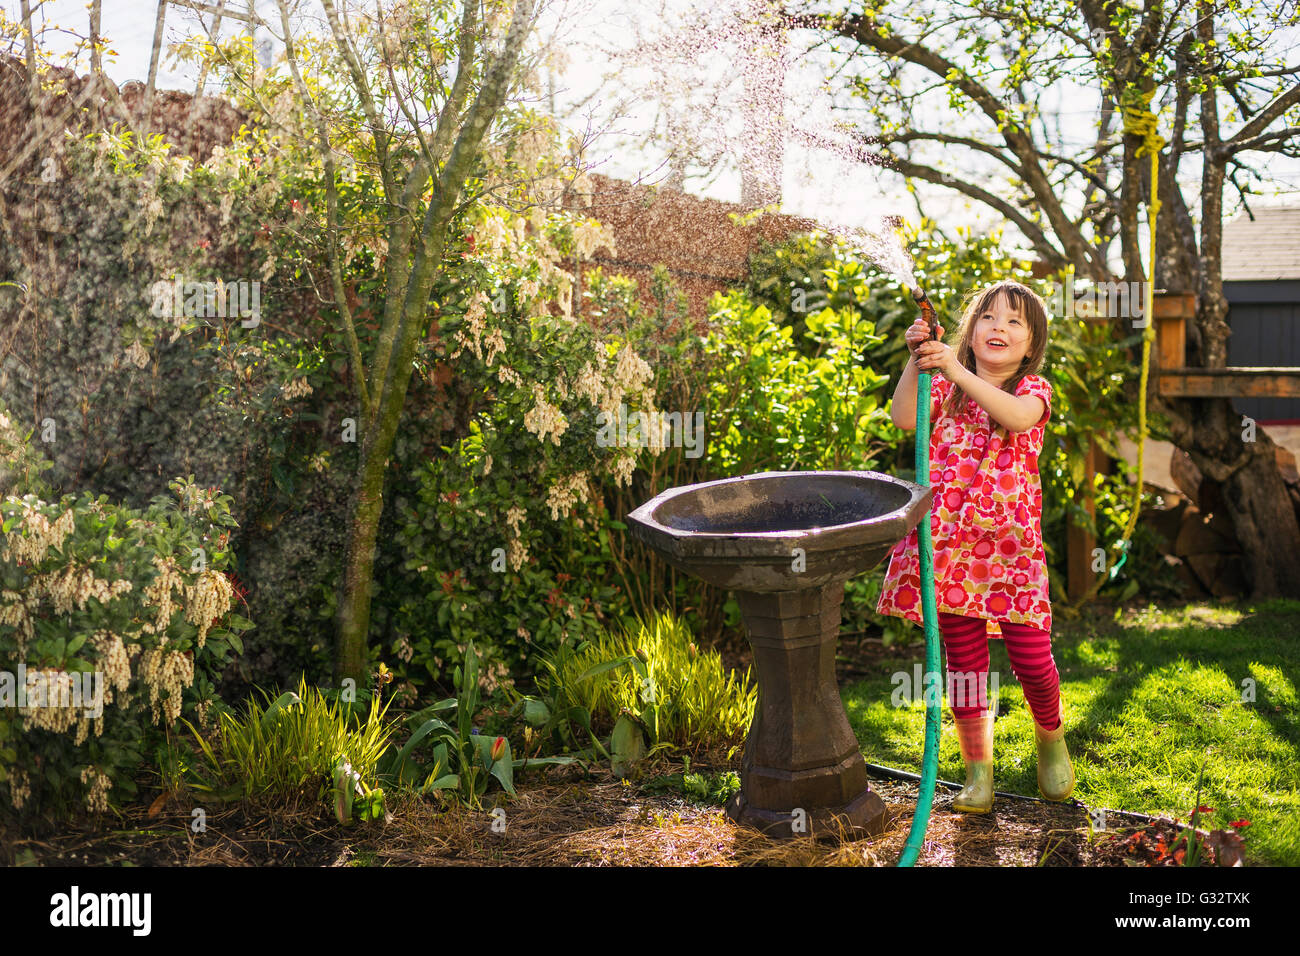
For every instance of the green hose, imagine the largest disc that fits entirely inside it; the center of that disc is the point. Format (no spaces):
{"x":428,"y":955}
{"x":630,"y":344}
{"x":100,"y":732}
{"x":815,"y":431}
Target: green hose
{"x":930,"y":763}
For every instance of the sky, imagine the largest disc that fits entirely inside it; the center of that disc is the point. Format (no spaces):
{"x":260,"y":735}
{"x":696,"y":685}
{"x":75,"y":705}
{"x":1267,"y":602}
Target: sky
{"x":815,"y":183}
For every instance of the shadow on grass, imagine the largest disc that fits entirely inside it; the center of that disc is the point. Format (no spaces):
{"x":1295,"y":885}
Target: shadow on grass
{"x":1150,"y":696}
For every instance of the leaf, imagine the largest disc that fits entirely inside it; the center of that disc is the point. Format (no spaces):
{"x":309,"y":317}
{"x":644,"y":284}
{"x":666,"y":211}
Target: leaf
{"x":536,"y":712}
{"x":155,"y":808}
{"x":425,"y":729}
{"x":450,"y":782}
{"x":627,"y":745}
{"x":604,"y":667}
{"x":287,"y":699}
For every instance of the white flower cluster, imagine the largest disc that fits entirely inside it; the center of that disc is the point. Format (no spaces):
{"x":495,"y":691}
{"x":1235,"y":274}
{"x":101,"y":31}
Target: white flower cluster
{"x":544,"y":418}
{"x":495,"y":675}
{"x":207,"y":600}
{"x":73,"y":587}
{"x":493,"y":235}
{"x":158,"y":593}
{"x":469,"y":335}
{"x":631,"y":371}
{"x":115,"y":664}
{"x":590,"y":384}
{"x":50,"y":707}
{"x":16,"y":611}
{"x":97,"y":795}
{"x":34,"y":535}
{"x":622,"y":467}
{"x":166,"y":674}
{"x":516,"y":553}
{"x":296,"y":389}
{"x":194,"y":498}
{"x":565,"y":493}
{"x":496,"y":344}
{"x":588,"y":236}
{"x":20,"y":787}
{"x":404,"y":650}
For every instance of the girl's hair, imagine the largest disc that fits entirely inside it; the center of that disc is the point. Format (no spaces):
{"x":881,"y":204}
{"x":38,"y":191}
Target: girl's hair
{"x":1032,"y":309}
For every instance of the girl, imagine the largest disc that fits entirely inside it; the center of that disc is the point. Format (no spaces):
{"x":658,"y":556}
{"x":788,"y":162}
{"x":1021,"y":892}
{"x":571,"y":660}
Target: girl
{"x":989,"y":568}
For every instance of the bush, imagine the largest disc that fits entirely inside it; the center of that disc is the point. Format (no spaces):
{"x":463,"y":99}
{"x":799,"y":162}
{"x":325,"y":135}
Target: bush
{"x":693,"y":701}
{"x":119,"y":620}
{"x":302,"y":745}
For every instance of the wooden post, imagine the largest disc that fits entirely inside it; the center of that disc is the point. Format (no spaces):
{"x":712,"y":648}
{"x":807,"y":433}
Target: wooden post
{"x":1171,"y":313}
{"x":1079,"y":541}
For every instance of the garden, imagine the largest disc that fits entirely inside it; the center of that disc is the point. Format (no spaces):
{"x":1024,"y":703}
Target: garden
{"x":329,"y":396}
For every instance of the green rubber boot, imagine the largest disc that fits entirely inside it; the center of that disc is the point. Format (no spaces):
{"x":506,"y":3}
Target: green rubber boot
{"x":1055,"y":772}
{"x":975,"y":735}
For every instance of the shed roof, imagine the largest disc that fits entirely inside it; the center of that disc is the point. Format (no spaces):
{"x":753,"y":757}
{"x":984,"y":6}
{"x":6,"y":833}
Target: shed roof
{"x":1264,"y":249}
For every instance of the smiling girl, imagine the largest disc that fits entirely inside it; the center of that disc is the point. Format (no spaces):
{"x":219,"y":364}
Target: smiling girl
{"x":990,"y":409}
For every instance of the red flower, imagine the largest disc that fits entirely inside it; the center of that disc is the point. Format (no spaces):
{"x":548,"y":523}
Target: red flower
{"x":1205,"y":809}
{"x":498,"y":748}
{"x":1239,"y":824}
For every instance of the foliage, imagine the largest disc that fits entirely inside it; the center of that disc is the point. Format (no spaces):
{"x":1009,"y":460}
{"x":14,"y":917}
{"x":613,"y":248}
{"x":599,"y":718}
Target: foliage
{"x":295,"y":746}
{"x":460,"y":758}
{"x":135,"y":604}
{"x":654,"y":674}
{"x":713,"y":789}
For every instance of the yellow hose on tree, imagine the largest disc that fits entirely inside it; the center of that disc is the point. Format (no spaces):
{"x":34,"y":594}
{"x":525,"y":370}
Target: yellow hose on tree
{"x":1140,"y":121}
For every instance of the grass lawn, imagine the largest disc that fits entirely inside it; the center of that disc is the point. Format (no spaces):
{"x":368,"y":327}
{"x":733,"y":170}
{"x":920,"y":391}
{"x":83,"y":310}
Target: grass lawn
{"x":1148,"y":695}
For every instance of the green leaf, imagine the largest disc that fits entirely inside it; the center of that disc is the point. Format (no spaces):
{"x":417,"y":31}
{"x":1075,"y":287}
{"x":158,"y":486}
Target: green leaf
{"x":627,"y":746}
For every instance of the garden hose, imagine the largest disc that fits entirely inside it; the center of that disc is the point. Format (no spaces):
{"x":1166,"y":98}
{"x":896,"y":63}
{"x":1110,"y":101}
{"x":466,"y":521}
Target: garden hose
{"x":930,"y":762}
{"x":1139,"y":121}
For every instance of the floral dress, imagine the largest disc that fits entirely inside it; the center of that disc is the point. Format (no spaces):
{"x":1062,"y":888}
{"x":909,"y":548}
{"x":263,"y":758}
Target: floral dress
{"x":986,"y":520}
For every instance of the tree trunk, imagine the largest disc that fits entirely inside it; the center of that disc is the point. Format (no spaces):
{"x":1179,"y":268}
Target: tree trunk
{"x":359,"y":563}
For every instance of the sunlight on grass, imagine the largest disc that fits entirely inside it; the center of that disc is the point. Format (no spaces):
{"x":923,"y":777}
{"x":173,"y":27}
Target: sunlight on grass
{"x":1148,"y":699}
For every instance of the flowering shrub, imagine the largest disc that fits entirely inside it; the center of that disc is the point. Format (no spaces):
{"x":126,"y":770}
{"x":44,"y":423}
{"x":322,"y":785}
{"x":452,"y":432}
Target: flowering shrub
{"x":113,"y":622}
{"x":501,"y":537}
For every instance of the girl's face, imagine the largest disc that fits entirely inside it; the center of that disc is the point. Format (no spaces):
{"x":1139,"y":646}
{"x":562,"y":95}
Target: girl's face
{"x":1000,"y":340}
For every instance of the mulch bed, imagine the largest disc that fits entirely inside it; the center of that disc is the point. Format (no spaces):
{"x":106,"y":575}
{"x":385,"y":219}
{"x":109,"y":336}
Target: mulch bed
{"x":565,"y":818}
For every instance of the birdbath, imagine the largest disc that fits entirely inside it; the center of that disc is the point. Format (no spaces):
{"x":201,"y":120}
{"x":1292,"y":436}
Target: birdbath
{"x":785,"y":542}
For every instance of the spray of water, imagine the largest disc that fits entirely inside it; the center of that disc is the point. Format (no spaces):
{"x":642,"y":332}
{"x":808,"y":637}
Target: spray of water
{"x":722,"y":87}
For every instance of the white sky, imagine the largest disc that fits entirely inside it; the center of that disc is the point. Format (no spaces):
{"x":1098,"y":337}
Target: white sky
{"x":814,"y":186}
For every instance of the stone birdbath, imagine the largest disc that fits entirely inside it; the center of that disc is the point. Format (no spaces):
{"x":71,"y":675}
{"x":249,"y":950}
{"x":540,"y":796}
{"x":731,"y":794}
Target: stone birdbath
{"x":786,"y":542}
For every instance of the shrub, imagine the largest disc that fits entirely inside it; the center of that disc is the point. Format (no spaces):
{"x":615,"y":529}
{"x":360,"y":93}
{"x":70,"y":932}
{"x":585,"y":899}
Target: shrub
{"x":302,"y":745}
{"x":119,"y":621}
{"x":696,"y":702}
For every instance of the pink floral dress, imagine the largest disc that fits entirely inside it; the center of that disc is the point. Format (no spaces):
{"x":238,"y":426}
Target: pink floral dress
{"x":986,"y":520}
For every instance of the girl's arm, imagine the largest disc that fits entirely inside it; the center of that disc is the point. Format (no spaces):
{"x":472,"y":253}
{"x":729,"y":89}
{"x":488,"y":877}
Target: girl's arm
{"x":1015,"y":413}
{"x":902,"y":409}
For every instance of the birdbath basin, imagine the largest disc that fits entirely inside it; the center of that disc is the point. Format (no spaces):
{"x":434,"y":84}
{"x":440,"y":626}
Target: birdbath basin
{"x":785,"y":542}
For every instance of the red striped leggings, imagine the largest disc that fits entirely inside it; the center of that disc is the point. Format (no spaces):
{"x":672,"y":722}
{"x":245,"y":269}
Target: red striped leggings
{"x":966,"y":649}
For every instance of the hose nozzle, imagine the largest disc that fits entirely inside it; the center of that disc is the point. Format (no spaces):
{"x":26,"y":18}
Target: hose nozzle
{"x":927,"y":310}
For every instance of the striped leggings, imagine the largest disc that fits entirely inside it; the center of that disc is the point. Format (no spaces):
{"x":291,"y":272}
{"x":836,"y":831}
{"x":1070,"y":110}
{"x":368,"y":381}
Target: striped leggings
{"x":966,"y":649}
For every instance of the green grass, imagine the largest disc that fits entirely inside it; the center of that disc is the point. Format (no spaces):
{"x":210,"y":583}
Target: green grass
{"x":1148,"y":696}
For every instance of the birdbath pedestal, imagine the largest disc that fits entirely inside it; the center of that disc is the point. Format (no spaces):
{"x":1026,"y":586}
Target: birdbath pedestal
{"x":786,"y":542}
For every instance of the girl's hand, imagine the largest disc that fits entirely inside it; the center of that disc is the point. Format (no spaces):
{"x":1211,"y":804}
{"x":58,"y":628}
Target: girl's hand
{"x":936,"y":356}
{"x":918,"y":332}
